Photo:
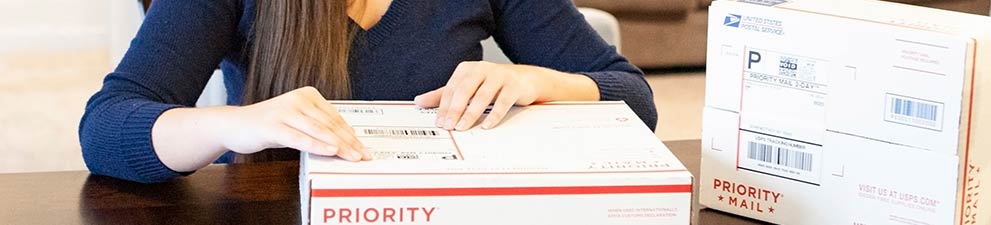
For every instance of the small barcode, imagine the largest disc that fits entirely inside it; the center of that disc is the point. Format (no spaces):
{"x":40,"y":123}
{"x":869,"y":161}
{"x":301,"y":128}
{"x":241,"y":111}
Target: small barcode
{"x":910,"y":108}
{"x":402,"y":132}
{"x":779,"y":156}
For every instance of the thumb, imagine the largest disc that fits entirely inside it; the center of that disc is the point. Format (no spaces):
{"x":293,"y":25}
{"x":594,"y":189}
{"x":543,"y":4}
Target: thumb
{"x":430,"y":99}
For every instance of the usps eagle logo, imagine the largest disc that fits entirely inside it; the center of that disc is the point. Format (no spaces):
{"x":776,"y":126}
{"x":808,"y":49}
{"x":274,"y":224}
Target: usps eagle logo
{"x":732,"y":20}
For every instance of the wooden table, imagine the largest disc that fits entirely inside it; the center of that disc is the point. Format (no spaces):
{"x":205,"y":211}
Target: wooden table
{"x":263,"y":193}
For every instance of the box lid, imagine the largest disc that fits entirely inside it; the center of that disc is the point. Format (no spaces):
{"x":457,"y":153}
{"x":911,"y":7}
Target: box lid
{"x":605,"y":144}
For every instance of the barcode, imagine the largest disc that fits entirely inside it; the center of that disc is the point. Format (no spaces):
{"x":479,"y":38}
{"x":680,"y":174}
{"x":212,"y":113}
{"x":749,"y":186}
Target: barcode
{"x":359,"y":110}
{"x":402,"y":132}
{"x":779,"y":156}
{"x":910,"y":108}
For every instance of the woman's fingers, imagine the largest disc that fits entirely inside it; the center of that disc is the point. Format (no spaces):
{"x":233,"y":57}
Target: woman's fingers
{"x":445,"y":95}
{"x":445,"y":100}
{"x":459,"y":96}
{"x":464,"y":77}
{"x":500,"y":108}
{"x":479,"y":102}
{"x":325,"y":113}
{"x":344,"y":133}
{"x":430,"y":99}
{"x":348,"y":135}
{"x":315,"y":131}
{"x":472,"y":87}
{"x":290,"y":137}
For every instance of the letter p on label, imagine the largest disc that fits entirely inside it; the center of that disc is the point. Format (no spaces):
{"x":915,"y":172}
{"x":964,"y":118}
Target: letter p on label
{"x":754,"y":57}
{"x":328,"y":214}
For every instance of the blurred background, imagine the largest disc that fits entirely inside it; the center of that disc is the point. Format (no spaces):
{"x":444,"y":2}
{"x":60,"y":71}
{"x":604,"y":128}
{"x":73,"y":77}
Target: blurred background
{"x":54,"y":54}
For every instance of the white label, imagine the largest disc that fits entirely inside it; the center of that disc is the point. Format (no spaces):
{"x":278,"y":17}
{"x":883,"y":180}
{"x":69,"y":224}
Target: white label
{"x":781,"y":157}
{"x":408,"y":143}
{"x":782,"y":115}
{"x":783,"y":95}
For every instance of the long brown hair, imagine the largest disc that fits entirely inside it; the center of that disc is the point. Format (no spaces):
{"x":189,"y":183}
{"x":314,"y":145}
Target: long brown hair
{"x":297,"y":43}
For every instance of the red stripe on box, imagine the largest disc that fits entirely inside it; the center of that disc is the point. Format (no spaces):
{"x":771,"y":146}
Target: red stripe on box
{"x":970,"y":124}
{"x":538,"y":103}
{"x":451,"y":133}
{"x":496,"y":173}
{"x":501,"y":191}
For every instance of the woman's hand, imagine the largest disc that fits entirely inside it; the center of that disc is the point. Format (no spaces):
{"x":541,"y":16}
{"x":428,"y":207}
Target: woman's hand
{"x":475,"y":85}
{"x":186,"y":139}
{"x":300,"y":119}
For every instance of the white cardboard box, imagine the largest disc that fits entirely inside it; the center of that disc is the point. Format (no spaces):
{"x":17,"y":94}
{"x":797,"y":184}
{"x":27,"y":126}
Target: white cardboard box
{"x":563,"y":163}
{"x":847,"y":112}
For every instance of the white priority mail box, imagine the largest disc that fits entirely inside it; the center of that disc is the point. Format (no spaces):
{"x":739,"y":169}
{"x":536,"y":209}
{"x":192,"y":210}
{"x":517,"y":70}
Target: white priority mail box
{"x":847,"y":112}
{"x":555,"y":163}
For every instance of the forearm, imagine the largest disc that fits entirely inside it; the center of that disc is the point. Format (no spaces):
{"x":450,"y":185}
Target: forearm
{"x":187,"y":139}
{"x":629,"y":87}
{"x":560,"y":86}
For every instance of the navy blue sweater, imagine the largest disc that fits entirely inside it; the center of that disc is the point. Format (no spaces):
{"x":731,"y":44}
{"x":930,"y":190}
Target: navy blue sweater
{"x":413,"y":49}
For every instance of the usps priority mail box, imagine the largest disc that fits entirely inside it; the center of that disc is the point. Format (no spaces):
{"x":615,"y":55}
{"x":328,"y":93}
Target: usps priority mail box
{"x":556,"y":163}
{"x":846,"y":112}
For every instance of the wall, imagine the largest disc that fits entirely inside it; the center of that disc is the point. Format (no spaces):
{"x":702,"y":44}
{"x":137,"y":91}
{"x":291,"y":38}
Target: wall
{"x":53,"y":56}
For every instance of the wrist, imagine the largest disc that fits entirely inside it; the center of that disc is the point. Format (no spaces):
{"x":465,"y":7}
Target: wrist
{"x":551,"y":85}
{"x":221,"y":124}
{"x":583,"y":88}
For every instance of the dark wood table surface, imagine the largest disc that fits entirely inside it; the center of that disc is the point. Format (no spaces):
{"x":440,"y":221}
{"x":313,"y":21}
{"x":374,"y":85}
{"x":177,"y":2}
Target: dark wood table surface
{"x":262,"y":193}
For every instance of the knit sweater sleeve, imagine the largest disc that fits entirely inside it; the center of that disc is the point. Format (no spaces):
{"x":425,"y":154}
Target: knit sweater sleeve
{"x":167,"y":65}
{"x":553,"y":34}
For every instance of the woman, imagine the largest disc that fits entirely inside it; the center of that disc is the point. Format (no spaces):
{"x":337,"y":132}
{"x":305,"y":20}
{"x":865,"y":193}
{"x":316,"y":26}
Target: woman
{"x":283,"y":58}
